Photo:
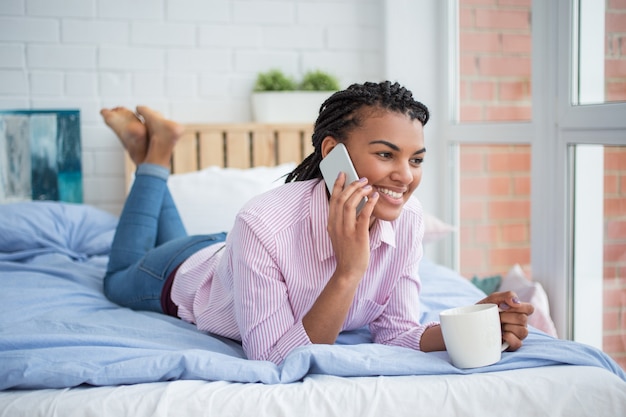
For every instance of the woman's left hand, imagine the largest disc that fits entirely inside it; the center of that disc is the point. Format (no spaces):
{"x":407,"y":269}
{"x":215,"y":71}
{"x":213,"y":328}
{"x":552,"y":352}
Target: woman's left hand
{"x":513,"y":317}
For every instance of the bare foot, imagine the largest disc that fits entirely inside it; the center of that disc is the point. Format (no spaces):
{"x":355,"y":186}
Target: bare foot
{"x":130,"y":130}
{"x":163,"y":134}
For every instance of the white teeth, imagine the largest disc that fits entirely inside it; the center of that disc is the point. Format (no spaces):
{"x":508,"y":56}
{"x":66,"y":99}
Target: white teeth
{"x":390,"y":193}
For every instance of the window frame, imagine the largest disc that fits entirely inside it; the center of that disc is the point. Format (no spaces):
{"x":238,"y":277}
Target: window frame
{"x":556,"y":124}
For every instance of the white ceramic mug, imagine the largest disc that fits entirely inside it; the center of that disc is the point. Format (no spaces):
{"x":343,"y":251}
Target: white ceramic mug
{"x":473,"y":335}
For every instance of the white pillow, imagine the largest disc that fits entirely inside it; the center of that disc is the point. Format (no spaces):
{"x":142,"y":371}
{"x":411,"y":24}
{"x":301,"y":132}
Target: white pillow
{"x":208,"y":200}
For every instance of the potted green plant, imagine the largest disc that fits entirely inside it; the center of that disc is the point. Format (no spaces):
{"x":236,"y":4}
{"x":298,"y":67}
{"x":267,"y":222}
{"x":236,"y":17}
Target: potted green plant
{"x":319,"y":81}
{"x":274,"y":80}
{"x":278,"y":98}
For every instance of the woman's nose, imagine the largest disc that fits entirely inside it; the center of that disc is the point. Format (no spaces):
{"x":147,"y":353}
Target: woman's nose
{"x":402,"y":173}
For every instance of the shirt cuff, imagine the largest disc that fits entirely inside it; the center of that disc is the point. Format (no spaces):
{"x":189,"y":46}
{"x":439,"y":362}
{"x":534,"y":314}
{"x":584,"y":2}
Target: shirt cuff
{"x":421,"y":330}
{"x":295,"y":337}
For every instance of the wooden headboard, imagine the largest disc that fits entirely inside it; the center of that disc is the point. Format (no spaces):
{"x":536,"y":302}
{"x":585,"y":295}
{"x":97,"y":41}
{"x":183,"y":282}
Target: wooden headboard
{"x":237,"y":145}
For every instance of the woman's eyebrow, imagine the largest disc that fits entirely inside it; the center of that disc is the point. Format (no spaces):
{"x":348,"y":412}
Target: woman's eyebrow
{"x":386,"y":143}
{"x":394,"y":146}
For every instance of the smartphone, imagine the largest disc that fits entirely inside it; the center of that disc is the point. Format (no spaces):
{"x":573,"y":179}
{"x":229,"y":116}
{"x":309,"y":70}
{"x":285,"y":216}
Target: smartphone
{"x":338,"y":160}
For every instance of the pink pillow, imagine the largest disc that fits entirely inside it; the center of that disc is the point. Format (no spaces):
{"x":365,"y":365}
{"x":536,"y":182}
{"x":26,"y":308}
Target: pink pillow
{"x":530,"y":292}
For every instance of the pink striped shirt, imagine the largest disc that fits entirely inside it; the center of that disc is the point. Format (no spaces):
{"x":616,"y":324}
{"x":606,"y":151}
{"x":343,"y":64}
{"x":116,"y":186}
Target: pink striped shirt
{"x":258,"y":286}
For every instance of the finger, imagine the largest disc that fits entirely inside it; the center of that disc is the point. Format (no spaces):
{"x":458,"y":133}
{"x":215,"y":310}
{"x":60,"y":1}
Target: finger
{"x":368,"y":208}
{"x":520,"y":331}
{"x":504,"y":299}
{"x":339,"y":183}
{"x":514,"y":342}
{"x":352,"y":195}
{"x":336,"y":191}
{"x":342,"y":192}
{"x":511,"y":300}
{"x":517,"y":319}
{"x":522,"y":308}
{"x":356,"y":194}
{"x":335,"y":202}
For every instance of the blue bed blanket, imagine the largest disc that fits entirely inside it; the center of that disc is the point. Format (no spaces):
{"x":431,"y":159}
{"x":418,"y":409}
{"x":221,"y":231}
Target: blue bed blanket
{"x":58,"y":330}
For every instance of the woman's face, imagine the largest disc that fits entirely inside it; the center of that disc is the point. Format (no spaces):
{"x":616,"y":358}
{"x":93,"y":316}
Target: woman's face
{"x":388,"y":149}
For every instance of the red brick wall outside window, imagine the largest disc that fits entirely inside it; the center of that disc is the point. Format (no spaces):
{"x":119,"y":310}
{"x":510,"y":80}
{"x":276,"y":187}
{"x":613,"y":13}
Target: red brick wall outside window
{"x":495,"y":86}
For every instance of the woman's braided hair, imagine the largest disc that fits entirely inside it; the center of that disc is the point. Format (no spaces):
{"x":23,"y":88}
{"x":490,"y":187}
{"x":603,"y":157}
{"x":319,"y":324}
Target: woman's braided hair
{"x":340,"y":113}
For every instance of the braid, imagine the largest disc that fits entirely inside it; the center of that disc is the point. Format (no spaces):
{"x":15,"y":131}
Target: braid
{"x":339,"y":114}
{"x":307,"y":168}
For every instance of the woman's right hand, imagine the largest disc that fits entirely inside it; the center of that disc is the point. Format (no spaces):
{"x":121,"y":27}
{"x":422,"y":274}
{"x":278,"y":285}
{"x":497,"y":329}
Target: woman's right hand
{"x":348,"y":232}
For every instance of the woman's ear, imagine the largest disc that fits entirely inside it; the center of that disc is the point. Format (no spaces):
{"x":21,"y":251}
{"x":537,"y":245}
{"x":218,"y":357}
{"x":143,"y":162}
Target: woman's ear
{"x":328,"y":143}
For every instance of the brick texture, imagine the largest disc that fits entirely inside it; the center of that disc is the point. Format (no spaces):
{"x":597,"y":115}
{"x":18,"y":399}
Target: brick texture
{"x":495,"y":213}
{"x":615,"y":252}
{"x":495,"y":51}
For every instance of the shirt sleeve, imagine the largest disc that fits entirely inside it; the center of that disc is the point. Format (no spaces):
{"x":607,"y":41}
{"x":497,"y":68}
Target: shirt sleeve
{"x":269,"y":329}
{"x":399,"y":324}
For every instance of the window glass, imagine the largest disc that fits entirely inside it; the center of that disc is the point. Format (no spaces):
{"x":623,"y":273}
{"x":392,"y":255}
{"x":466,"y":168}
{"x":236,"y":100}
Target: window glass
{"x":494,"y":61}
{"x":599,"y":252}
{"x":494,"y":209}
{"x":600,"y":53}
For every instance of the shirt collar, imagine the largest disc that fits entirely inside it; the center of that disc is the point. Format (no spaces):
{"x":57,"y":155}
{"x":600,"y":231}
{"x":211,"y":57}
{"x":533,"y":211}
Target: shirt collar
{"x":382,"y":231}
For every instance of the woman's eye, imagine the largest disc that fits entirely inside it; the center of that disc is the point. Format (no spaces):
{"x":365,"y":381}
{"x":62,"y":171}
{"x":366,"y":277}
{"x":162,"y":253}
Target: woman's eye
{"x":417,"y":161}
{"x":384,"y":154}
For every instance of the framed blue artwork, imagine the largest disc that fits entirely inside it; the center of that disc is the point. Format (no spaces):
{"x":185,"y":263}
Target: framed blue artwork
{"x":40,"y":155}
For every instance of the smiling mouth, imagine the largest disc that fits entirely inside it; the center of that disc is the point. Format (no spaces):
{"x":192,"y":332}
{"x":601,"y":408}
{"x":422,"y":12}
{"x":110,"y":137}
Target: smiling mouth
{"x":390,"y":193}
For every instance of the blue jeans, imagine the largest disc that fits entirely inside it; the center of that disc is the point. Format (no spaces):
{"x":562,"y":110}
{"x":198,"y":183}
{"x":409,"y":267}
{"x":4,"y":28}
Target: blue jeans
{"x":150,"y":242}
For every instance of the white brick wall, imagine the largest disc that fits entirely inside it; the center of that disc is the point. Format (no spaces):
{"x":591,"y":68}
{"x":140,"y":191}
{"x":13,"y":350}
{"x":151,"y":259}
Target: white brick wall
{"x":27,"y":29}
{"x":11,"y":56}
{"x":195,"y":60}
{"x":60,"y":8}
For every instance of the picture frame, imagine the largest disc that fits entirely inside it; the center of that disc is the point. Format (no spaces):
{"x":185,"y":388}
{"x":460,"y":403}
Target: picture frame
{"x":40,"y":155}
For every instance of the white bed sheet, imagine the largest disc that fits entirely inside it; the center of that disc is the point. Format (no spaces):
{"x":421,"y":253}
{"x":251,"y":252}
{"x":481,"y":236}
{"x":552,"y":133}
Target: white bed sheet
{"x":590,"y":391}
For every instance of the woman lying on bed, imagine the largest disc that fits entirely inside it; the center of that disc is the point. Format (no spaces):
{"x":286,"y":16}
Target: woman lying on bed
{"x":298,"y":267}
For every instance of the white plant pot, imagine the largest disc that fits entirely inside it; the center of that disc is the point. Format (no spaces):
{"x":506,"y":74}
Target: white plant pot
{"x":287,"y":106}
